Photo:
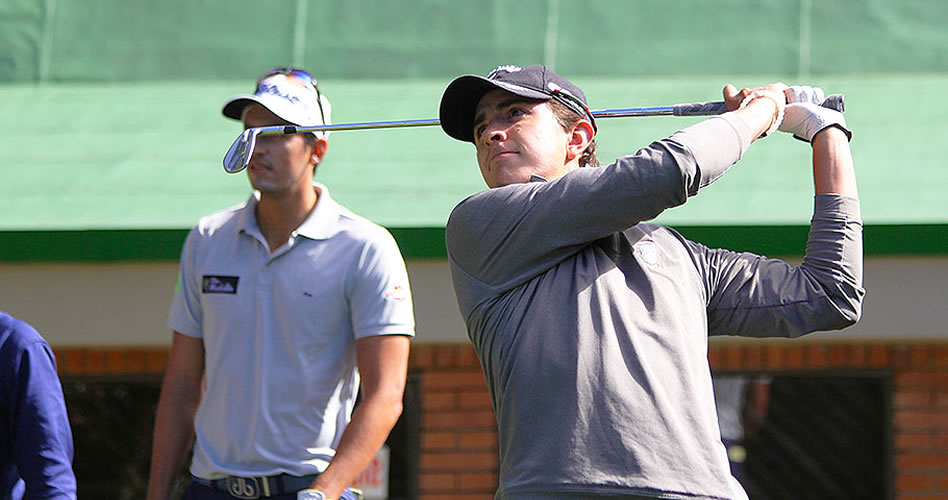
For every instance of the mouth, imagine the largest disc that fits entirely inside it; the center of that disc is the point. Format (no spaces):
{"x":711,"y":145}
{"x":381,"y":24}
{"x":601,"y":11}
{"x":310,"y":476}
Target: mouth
{"x":501,"y":154}
{"x":258,"y":167}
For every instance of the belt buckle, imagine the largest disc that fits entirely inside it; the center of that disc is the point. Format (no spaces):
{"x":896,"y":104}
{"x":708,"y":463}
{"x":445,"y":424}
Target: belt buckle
{"x":243,"y":487}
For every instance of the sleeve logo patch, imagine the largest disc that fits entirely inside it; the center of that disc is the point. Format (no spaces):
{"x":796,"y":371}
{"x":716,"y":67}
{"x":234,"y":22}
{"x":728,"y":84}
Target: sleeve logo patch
{"x":219,"y":284}
{"x":397,"y":293}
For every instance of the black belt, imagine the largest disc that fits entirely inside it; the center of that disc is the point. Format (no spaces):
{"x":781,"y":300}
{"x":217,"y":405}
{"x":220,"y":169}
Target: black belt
{"x":259,"y":487}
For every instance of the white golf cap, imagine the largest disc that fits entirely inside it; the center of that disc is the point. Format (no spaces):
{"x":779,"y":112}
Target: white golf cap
{"x":289,"y":93}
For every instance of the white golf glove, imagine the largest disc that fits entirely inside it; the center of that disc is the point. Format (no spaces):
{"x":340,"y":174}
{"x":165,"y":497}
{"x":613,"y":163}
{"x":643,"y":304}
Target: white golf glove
{"x":805,"y":119}
{"x":801,"y":93}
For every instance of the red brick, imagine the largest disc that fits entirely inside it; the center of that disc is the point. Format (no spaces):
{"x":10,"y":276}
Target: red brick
{"x":432,"y":482}
{"x":920,"y":462}
{"x":431,"y":441}
{"x":753,"y":357}
{"x":421,"y":357}
{"x":73,"y":362}
{"x":482,"y":481}
{"x":879,"y":356}
{"x":773,"y":357}
{"x":467,"y":358}
{"x":816,"y":356}
{"x":912,"y":399}
{"x":458,"y":462}
{"x":477,"y":440}
{"x":474,"y":400}
{"x":940,"y":356}
{"x":941,"y":441}
{"x":439,"y":400}
{"x":921,"y":379}
{"x":901,"y":356}
{"x":445,"y":357}
{"x":921,"y":356}
{"x":914,"y":441}
{"x":941,"y":398}
{"x":858,"y":356}
{"x":466,"y":420}
{"x":840,"y":355}
{"x":915,"y":419}
{"x":732,"y":358}
{"x":95,"y":362}
{"x":460,"y":496}
{"x":156,"y":361}
{"x":456,"y":380}
{"x":714,"y":358}
{"x":794,"y":357}
{"x":134,"y":360}
{"x":914,"y":482}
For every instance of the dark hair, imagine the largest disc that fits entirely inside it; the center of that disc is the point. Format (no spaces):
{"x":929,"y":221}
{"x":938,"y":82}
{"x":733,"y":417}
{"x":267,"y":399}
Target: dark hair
{"x":568,"y":119}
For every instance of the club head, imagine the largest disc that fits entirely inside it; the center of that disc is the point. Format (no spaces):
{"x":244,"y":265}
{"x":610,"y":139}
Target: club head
{"x":238,"y":156}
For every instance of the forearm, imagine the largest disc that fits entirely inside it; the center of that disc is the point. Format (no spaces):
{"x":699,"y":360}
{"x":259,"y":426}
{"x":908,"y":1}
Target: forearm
{"x":174,"y":431}
{"x":371,"y":423}
{"x":833,"y":171}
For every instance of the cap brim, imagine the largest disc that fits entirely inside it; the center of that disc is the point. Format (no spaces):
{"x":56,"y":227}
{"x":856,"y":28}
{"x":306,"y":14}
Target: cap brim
{"x":234,"y":108}
{"x":459,"y":102}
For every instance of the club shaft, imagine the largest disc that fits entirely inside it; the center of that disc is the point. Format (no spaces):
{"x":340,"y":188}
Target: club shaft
{"x":690,"y":109}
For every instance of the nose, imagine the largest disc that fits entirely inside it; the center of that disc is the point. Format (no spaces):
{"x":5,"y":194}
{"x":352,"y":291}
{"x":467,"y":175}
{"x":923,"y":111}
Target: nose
{"x":493,"y":133}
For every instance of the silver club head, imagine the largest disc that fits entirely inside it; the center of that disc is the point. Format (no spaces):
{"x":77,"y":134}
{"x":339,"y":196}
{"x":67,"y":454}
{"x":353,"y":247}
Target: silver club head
{"x":238,"y":156}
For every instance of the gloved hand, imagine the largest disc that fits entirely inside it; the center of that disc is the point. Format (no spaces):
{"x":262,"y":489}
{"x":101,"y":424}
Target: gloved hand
{"x":802,"y":93}
{"x":805,"y":119}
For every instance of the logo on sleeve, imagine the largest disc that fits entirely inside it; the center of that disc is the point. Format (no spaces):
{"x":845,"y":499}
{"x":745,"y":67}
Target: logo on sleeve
{"x":219,"y":284}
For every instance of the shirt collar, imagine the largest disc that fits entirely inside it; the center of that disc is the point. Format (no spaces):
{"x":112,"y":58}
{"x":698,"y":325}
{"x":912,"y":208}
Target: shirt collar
{"x":319,"y":225}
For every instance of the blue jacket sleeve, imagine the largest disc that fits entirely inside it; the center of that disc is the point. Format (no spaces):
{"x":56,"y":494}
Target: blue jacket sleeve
{"x":42,"y":443}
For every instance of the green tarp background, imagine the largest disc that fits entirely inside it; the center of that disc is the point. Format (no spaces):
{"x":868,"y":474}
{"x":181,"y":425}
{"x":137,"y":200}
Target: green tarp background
{"x":110,"y":109}
{"x":145,"y":40}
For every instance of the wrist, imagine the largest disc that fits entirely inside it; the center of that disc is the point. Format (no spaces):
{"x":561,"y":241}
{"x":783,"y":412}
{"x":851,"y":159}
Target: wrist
{"x":310,"y":495}
{"x":779,"y":101}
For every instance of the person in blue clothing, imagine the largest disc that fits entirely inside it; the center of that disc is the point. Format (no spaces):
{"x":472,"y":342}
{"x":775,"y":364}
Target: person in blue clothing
{"x":36,"y":448}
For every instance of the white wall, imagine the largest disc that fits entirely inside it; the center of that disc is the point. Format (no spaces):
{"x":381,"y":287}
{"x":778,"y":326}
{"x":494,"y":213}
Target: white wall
{"x":127,"y":304}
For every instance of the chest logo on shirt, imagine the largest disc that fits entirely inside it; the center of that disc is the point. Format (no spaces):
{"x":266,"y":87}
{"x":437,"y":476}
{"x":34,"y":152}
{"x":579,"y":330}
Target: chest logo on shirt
{"x":648,"y":252}
{"x":219,"y":284}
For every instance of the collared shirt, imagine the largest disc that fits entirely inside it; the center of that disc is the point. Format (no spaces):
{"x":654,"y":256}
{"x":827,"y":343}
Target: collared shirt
{"x":592,"y":327}
{"x":279,"y":331}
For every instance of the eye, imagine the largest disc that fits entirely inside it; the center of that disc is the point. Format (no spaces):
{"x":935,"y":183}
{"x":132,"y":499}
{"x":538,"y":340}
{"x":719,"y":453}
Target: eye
{"x":478,"y":130}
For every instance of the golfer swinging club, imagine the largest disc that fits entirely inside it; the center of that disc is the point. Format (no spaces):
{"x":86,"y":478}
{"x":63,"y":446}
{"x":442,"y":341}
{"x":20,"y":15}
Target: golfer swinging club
{"x":591,"y":325}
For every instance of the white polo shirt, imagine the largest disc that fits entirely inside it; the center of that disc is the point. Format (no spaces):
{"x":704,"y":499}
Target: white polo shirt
{"x":279,"y":332}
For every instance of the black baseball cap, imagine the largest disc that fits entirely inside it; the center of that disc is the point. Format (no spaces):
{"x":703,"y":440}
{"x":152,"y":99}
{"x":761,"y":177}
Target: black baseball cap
{"x":533,"y":82}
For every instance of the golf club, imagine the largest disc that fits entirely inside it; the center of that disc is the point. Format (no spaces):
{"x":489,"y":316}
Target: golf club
{"x":238,"y":156}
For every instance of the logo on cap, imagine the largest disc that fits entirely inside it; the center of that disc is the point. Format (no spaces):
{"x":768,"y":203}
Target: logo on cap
{"x":506,"y":68}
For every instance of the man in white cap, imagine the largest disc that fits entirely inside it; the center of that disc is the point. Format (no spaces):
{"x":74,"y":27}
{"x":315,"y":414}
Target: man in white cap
{"x":283,"y":305}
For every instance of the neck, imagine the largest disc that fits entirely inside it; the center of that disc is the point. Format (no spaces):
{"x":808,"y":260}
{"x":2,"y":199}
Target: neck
{"x":279,"y":215}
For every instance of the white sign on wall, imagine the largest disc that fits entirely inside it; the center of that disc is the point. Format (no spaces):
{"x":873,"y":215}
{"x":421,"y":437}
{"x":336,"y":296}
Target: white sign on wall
{"x":373,"y":481}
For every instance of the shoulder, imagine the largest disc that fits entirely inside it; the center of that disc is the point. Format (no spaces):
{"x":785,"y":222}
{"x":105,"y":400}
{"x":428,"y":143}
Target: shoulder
{"x":18,"y":332}
{"x":211,"y":224}
{"x":353,"y":227}
{"x":490,"y":203}
{"x":17,"y":336}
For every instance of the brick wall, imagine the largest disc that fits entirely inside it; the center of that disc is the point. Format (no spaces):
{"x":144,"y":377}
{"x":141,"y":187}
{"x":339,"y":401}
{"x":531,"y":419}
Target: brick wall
{"x":458,"y":441}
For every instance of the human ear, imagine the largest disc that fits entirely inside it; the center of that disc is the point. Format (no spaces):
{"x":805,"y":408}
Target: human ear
{"x":320,"y":147}
{"x":579,"y":139}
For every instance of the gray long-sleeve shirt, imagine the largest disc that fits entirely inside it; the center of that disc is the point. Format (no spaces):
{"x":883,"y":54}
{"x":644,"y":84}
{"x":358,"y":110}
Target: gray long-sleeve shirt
{"x":592,"y":327}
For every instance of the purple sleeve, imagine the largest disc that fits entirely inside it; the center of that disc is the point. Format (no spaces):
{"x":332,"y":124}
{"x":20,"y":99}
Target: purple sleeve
{"x":42,"y":443}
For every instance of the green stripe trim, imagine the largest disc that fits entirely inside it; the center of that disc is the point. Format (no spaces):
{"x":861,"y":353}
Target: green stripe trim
{"x":107,"y":245}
